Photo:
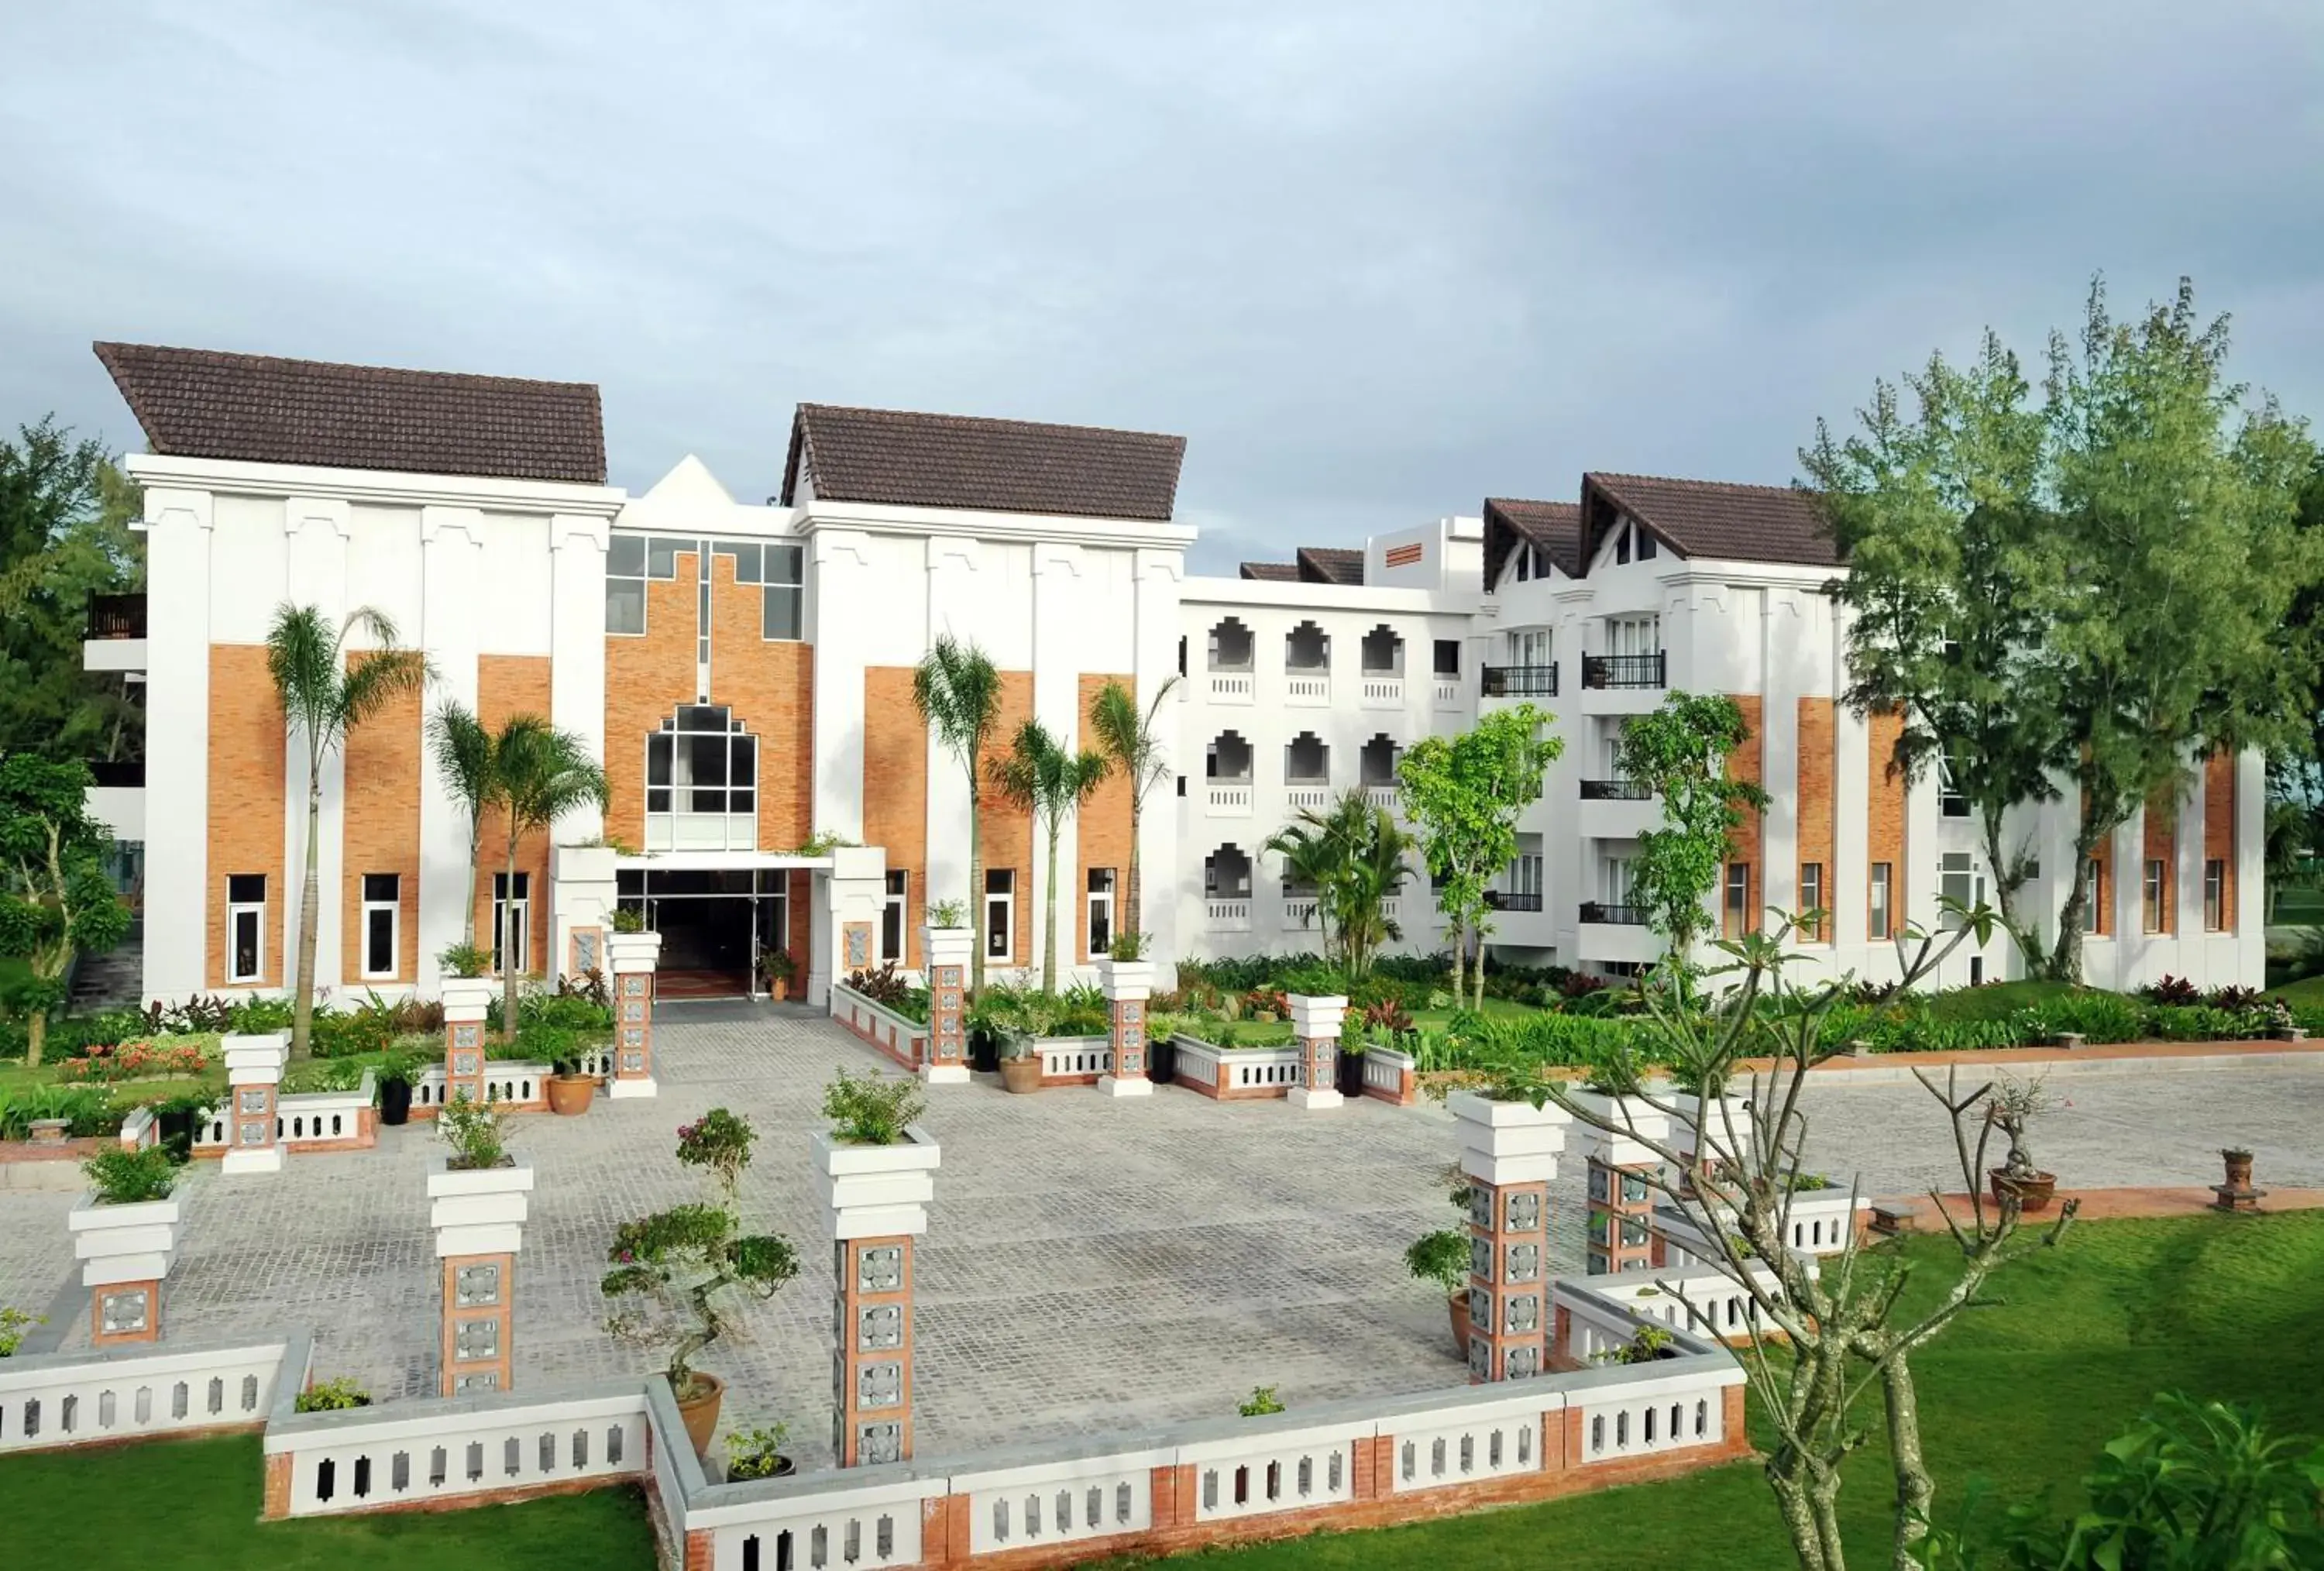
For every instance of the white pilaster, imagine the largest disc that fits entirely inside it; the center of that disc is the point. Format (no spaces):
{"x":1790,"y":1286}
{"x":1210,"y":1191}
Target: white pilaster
{"x":576,"y":689}
{"x":317,"y":529}
{"x":1061,"y":588}
{"x":954,"y":585}
{"x":453,"y":601}
{"x":848,"y":602}
{"x":177,"y":902}
{"x":1157,"y":578}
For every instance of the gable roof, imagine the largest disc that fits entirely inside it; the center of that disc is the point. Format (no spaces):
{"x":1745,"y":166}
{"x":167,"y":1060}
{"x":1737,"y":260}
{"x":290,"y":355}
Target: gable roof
{"x":1331,"y":565}
{"x":1272,"y":572}
{"x":1000,"y":466}
{"x":205,"y":404}
{"x":1711,"y":518}
{"x":1554,"y":526}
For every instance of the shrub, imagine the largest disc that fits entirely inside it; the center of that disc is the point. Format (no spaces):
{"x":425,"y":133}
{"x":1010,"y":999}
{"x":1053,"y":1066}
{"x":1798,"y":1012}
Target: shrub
{"x":872,"y":1110}
{"x":756,"y":1453}
{"x":720,"y":1140}
{"x":629,"y":920}
{"x":1261,"y":1403}
{"x":467,"y":960}
{"x":14,"y":1324}
{"x":474,"y":1131}
{"x":2171,"y":990}
{"x":947,"y":913}
{"x":132,"y":1061}
{"x":323,"y":1074}
{"x":1127,"y":945}
{"x":887,"y":985}
{"x":1649,"y":1343}
{"x":331,"y":1396}
{"x":127,"y":1178}
{"x":87,"y":1110}
{"x":1441,"y":1257}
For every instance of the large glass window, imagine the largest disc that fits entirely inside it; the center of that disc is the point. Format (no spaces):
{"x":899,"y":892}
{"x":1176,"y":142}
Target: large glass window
{"x":2215,"y":896}
{"x":381,"y":917}
{"x":999,"y":912}
{"x":245,"y":926}
{"x":629,"y":560}
{"x":1736,"y":916}
{"x":781,"y":571}
{"x":702,"y":779}
{"x":1880,"y":918}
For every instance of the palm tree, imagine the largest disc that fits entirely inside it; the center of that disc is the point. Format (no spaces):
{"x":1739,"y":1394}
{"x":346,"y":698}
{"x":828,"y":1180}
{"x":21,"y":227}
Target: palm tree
{"x":1354,"y":854}
{"x":1045,"y":779}
{"x":957,"y":691}
{"x":463,"y":750}
{"x":538,"y":775}
{"x":1134,"y":743}
{"x":324,"y":696}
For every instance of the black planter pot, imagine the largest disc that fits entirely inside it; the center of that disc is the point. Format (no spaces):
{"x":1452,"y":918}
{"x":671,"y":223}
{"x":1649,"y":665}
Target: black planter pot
{"x":1161,"y":1061}
{"x":175,"y":1131}
{"x":394,"y":1101}
{"x":1352,"y":1073}
{"x":983,"y":1052}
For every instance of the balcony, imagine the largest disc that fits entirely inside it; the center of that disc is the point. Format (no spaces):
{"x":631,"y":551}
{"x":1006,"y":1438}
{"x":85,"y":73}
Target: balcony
{"x":1615,"y":791}
{"x":1383,"y":690}
{"x":1299,"y":794}
{"x":1227,"y":915}
{"x":116,"y":796}
{"x":1600,"y":914}
{"x":1521,"y":682}
{"x":114,"y":637}
{"x":1504,"y":899}
{"x":1380,"y":795}
{"x":1623,"y":671}
{"x":1309,"y":687}
{"x":1232,"y":687}
{"x":1230,"y":798}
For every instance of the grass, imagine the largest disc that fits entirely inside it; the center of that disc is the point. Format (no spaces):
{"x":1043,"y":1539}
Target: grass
{"x":1996,"y":1001}
{"x":198,"y":1501}
{"x":2022,"y":1393}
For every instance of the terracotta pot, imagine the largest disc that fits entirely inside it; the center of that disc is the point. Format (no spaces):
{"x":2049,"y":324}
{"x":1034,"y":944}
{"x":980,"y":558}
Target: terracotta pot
{"x":2239,"y":1167}
{"x":2034,"y":1193}
{"x":1458,"y":1303}
{"x":1023,"y":1075}
{"x":699,"y":1410}
{"x":569,"y":1095}
{"x":778,"y":988}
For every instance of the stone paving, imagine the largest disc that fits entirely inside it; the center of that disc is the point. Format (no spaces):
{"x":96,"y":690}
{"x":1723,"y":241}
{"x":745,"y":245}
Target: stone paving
{"x":1091,"y":1265}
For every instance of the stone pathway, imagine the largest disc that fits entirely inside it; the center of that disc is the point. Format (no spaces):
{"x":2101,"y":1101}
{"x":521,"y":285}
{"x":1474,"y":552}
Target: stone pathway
{"x":1091,"y":1265}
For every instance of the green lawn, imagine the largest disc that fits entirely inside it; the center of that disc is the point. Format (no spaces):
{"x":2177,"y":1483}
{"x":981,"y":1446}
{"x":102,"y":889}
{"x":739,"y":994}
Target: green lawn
{"x":1997,"y":1000}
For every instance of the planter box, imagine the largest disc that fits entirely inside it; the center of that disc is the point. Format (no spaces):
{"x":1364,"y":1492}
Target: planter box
{"x":877,"y":1191}
{"x":633,"y":952}
{"x":1131,"y":980}
{"x":1507,"y":1142}
{"x":478,"y":1212}
{"x":468,"y":998}
{"x":583,"y":864}
{"x":899,"y":1036}
{"x":1727,"y":1113}
{"x":1616,"y":1149}
{"x":124,"y":1243}
{"x":1235,"y":1074}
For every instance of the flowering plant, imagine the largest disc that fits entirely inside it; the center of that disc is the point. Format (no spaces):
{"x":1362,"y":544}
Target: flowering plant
{"x":132,"y":1061}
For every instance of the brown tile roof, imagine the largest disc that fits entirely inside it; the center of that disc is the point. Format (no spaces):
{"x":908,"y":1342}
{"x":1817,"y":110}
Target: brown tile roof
{"x":1002,"y":466}
{"x":1273,"y":572}
{"x":1712,"y":518}
{"x":1554,"y":526}
{"x":201,"y":403}
{"x":1331,"y":565}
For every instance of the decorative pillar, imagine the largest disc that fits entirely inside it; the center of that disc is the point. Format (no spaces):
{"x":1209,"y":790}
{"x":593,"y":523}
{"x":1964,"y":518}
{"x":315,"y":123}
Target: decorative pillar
{"x":876,"y":1198}
{"x":1316,"y":1028}
{"x":581,"y":895}
{"x":253,"y":1075}
{"x":125,"y":1252}
{"x":467,"y":999}
{"x":634,"y":956}
{"x":1128,"y":984}
{"x":1508,"y":1152}
{"x":945,"y":951}
{"x":479,"y":1222}
{"x":1620,"y":1236}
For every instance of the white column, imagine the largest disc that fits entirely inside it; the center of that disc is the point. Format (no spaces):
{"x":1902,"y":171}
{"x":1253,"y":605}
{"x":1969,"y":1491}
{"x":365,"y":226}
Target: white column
{"x":847,"y":601}
{"x":855,"y":893}
{"x":177,"y":902}
{"x":317,"y":529}
{"x":254,"y":1076}
{"x":452,"y":601}
{"x":576,"y":689}
{"x":1315,"y":1031}
{"x":1158,"y":574}
{"x":953,"y":588}
{"x":2251,"y":856}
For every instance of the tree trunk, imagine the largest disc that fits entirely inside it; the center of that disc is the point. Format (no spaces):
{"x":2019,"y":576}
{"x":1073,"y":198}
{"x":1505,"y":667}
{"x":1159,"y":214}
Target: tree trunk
{"x":2065,"y":960}
{"x":1049,"y":920}
{"x":475,"y":856}
{"x":976,"y":913}
{"x":36,"y":1036}
{"x":2005,"y":894}
{"x":1132,"y":895}
{"x":507,"y":928}
{"x":1798,"y":1510}
{"x":1915,"y":1490}
{"x":302,"y":1015}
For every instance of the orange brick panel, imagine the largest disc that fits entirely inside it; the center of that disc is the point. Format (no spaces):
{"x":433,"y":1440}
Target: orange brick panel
{"x":1102,"y":831}
{"x":1746,"y":842}
{"x":647,"y":677}
{"x":509,"y":685}
{"x":896,"y":789}
{"x":770,"y":685}
{"x":1007,"y":831}
{"x":380,"y":832}
{"x":2219,"y":828}
{"x":2162,"y":844}
{"x":247,"y":743}
{"x":1819,"y":764}
{"x":1885,"y":812}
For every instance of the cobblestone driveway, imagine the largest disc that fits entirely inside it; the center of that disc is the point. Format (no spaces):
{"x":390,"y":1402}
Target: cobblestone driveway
{"x":1091,"y":1264}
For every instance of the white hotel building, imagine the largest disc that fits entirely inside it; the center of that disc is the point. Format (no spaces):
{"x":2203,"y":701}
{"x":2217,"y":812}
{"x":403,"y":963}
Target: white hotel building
{"x":744,"y":670}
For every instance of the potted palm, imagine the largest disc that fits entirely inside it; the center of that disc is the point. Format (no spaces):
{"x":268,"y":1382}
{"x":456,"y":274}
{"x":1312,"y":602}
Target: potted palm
{"x":2010,"y":1107}
{"x":1020,"y":1060}
{"x":671,"y":1269}
{"x":777,"y":970}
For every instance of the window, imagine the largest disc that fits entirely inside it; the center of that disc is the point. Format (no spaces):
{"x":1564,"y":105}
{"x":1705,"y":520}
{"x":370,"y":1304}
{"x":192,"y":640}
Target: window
{"x":1622,"y":545}
{"x":1614,"y":880}
{"x":781,"y":571}
{"x":2094,"y":903}
{"x":1000,"y":911}
{"x":2215,"y":897}
{"x":1530,"y":649}
{"x":1523,"y":573}
{"x":1100,"y":911}
{"x":245,"y":926}
{"x":1182,"y":654}
{"x":1645,"y":546}
{"x":1736,"y":921}
{"x":1812,"y":902}
{"x":513,"y":920}
{"x":1632,"y":635}
{"x":381,"y":916}
{"x":892,"y":916}
{"x":626,"y":584}
{"x":1881,"y":921}
{"x":702,"y":777}
{"x":1949,"y":801}
{"x":1448,"y":657}
{"x":2156,"y":891}
{"x":1957,"y":885}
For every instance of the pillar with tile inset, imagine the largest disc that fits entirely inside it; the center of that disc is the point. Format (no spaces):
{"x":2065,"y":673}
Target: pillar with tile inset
{"x":1315,"y":1031}
{"x":1620,"y":1235}
{"x":1508,"y":1154}
{"x":945,"y":951}
{"x":875,"y":1199}
{"x":479,"y":1222}
{"x":467,"y":999}
{"x":125,"y":1252}
{"x":634,"y":956}
{"x":1128,"y":984}
{"x":253,"y":1078}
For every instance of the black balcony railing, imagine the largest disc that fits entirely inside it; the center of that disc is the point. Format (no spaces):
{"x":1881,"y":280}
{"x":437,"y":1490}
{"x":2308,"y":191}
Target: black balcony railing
{"x":1627,"y":916}
{"x":1503,"y":900}
{"x":116,"y":616}
{"x":118,"y":771}
{"x":1615,"y":791}
{"x":1622,"y":671}
{"x":1521,"y":682}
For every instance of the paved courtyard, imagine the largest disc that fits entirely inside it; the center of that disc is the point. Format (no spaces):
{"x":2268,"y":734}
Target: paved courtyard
{"x":1091,"y":1264}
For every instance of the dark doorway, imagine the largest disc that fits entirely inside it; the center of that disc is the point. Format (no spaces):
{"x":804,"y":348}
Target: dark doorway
{"x":705,"y":946}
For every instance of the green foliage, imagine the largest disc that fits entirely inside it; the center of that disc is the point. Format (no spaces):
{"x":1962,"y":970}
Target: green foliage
{"x":956,"y":690}
{"x":1031,"y":1013}
{"x":475,"y":1131}
{"x":14,"y":1324}
{"x":56,"y":900}
{"x":756,"y":1453}
{"x":540,"y":773}
{"x":871,"y":1109}
{"x":1353,"y":856}
{"x":1441,"y":1257}
{"x":463,"y":750}
{"x":323,"y":1074}
{"x":1132,"y":744}
{"x":331,"y":1396}
{"x":87,"y":1110}
{"x":1043,"y":777}
{"x":1127,"y":945}
{"x":947,"y":913}
{"x":720,"y":1140}
{"x":1679,"y":751}
{"x":1464,"y":794}
{"x":823,"y":843}
{"x":125,"y":1178}
{"x":1261,"y":1402}
{"x":1647,"y":1344}
{"x":467,"y":961}
{"x":629,"y":920}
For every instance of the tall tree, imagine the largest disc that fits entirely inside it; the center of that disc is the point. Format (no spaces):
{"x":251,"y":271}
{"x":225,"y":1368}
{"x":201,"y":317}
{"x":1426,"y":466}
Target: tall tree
{"x":1135,"y":744}
{"x":55,"y":898}
{"x":1355,"y":853}
{"x":1679,"y":751}
{"x":1046,"y":778}
{"x":539,"y":774}
{"x":957,"y":693}
{"x":464,"y":754}
{"x":64,"y":536}
{"x":324,"y":695}
{"x":1464,"y":794}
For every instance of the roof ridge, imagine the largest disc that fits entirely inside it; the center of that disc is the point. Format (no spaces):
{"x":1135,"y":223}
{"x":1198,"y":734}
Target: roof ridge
{"x":105,"y":347}
{"x":991,"y":420}
{"x":1604,"y":475}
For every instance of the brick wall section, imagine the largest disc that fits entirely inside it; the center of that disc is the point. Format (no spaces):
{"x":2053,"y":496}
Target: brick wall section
{"x":275,"y":1499}
{"x":1102,"y":832}
{"x":1746,"y":842}
{"x":896,"y":789}
{"x":2162,"y":828}
{"x":381,"y":830}
{"x":1818,"y":744}
{"x":2102,"y":891}
{"x":246,"y":785}
{"x":509,"y":685}
{"x":2219,"y":828}
{"x":1007,"y":831}
{"x":646,"y":679}
{"x":770,"y":685}
{"x":1885,"y":788}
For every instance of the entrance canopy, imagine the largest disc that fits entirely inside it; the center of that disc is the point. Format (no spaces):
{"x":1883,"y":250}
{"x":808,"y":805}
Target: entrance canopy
{"x":718,"y":862}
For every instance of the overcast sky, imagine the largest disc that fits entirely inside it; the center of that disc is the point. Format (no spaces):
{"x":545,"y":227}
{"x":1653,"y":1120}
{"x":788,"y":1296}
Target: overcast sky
{"x":1375,"y":262}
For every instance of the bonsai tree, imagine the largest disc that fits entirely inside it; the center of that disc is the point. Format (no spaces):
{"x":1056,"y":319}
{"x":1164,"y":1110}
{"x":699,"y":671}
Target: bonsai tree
{"x":325,"y":692}
{"x":1133,"y":744}
{"x":539,"y":774}
{"x":2009,"y":1107}
{"x":55,"y":898}
{"x":957,"y":693}
{"x":672,"y":1268}
{"x":1041,"y":777}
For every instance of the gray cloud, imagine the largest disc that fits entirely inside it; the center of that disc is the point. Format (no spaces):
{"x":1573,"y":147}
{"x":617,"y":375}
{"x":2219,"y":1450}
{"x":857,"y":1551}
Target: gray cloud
{"x":1375,"y":262}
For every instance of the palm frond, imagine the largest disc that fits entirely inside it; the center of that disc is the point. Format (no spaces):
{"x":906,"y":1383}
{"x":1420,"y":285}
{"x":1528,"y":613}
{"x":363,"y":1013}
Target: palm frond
{"x":463,"y":750}
{"x":956,"y":690}
{"x":302,"y":660}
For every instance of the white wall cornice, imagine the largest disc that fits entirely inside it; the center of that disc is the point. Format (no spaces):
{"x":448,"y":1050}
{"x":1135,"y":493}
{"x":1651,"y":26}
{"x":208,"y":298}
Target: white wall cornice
{"x":579,"y":529}
{"x":1111,"y":533}
{"x":1305,"y":596}
{"x":385,"y":487}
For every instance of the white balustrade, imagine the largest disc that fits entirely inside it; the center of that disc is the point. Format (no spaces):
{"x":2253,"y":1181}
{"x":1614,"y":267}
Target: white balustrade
{"x":1385,"y":1068}
{"x":1448,"y":692}
{"x":78,"y":1399}
{"x":313,"y":1116}
{"x":1228,"y":915}
{"x":1434,"y":1450}
{"x":1265,"y":1474}
{"x":1380,"y":796}
{"x":1193,"y":1061}
{"x":900,"y":1036}
{"x":1060,"y":1503}
{"x":1068,"y":1056}
{"x":1382,"y":691}
{"x":1230,"y":799}
{"x":1299,"y":912}
{"x":1307,"y":689}
{"x":1652,"y":1413}
{"x":1307,"y":796}
{"x":1232,"y":688}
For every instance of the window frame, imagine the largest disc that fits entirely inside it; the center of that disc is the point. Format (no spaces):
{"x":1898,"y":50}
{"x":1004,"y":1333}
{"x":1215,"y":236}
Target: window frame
{"x":392,"y":908}
{"x":256,"y":912}
{"x":1812,"y":899}
{"x":1735,"y":900}
{"x":1006,"y":899}
{"x":791,"y":591}
{"x":2094,"y":908}
{"x":1880,"y":902}
{"x":522,"y":928}
{"x":2215,"y":894}
{"x":1096,"y":900}
{"x":896,"y":905}
{"x":2154,"y":894}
